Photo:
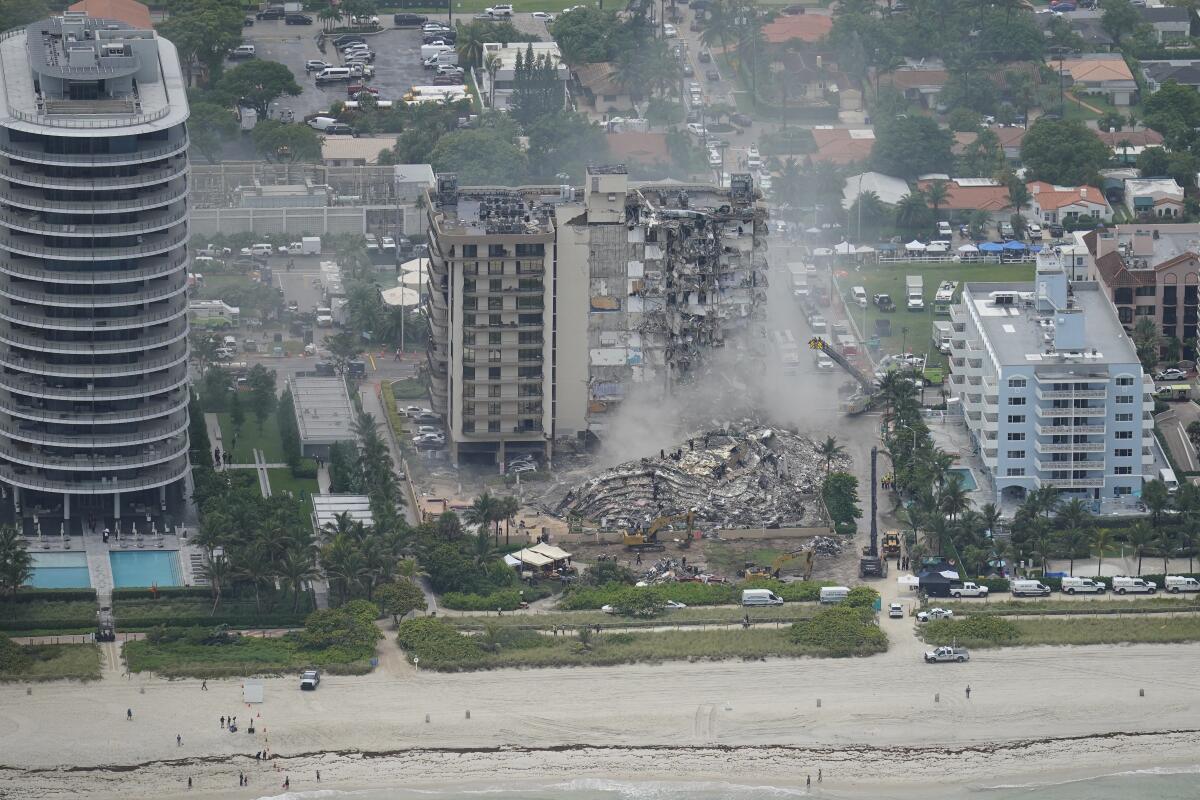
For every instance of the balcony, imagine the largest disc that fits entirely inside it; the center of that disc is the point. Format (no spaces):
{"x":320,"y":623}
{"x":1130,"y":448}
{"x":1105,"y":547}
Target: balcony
{"x":152,"y":152}
{"x":174,"y":355}
{"x":52,"y":390}
{"x":1087,"y":466}
{"x":149,"y":478}
{"x":148,"y":270}
{"x":481,"y":291}
{"x":1047,"y":430}
{"x":173,"y":333}
{"x":84,"y":414}
{"x":174,"y":285}
{"x":505,"y":345}
{"x":34,"y":434}
{"x":33,"y":223}
{"x":172,"y":311}
{"x":164,"y":450}
{"x":1047,"y":412}
{"x":507,"y":359}
{"x":30,"y":199}
{"x":1072,"y":394}
{"x":153,"y":245}
{"x":1069,"y":447}
{"x":101,"y":184}
{"x":1071,"y":483}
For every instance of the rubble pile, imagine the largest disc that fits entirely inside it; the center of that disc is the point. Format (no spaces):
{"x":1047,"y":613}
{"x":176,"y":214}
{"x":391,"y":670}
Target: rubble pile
{"x":756,"y":477}
{"x":824,"y":546}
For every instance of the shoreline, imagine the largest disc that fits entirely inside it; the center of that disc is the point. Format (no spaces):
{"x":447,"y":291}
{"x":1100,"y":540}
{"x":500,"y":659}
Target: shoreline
{"x":851,"y":772}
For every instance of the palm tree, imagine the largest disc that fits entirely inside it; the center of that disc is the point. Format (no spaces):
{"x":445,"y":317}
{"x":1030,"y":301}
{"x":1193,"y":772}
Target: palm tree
{"x":910,"y":211}
{"x":482,"y":512}
{"x":16,"y":564}
{"x":990,"y":518}
{"x":1157,"y":498}
{"x":1074,"y":540}
{"x":469,"y":44}
{"x":491,"y":65}
{"x":1101,"y":541}
{"x":719,"y":26}
{"x":296,"y":568}
{"x":952,"y":497}
{"x":482,"y":548}
{"x":829,"y":451}
{"x":1140,"y":536}
{"x":936,"y":193}
{"x":1164,"y":543}
{"x":253,"y":564}
{"x":343,"y":565}
{"x":329,"y":16}
{"x":506,"y":509}
{"x":1188,"y":534}
{"x":215,"y":569}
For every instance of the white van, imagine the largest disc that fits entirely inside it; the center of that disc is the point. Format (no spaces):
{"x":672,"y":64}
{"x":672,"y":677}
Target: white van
{"x":1083,"y":585}
{"x":332,"y":74}
{"x":261,"y":249}
{"x":431,"y":50}
{"x":1029,"y":588}
{"x":943,"y":229}
{"x":321,"y":123}
{"x":760,"y":597}
{"x":1179,"y":583}
{"x":1167,"y":476}
{"x":1124,"y":583}
{"x":834,"y":594}
{"x":860,"y":295}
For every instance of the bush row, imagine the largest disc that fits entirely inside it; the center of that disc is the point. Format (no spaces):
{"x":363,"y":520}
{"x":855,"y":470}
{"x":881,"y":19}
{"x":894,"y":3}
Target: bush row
{"x":506,"y":599}
{"x":581,"y":598}
{"x":841,"y":631}
{"x":142,"y":593}
{"x":974,"y":631}
{"x":39,"y":595}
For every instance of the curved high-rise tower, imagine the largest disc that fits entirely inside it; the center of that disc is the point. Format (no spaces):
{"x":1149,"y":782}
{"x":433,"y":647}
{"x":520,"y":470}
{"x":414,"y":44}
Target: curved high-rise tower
{"x":93,"y":267}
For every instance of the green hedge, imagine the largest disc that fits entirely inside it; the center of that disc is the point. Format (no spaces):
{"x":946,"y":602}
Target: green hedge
{"x":581,"y":598}
{"x":506,"y":599}
{"x":842,"y":631}
{"x":306,"y":470}
{"x":975,"y":631}
{"x":38,"y":595}
{"x":408,"y":389}
{"x":436,"y":643}
{"x":48,"y":615}
{"x":143,"y":593}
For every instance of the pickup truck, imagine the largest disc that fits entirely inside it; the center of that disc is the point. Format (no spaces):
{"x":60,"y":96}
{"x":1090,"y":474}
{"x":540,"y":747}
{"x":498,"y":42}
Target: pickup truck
{"x":310,"y":679}
{"x":947,"y":653}
{"x":968,"y":589}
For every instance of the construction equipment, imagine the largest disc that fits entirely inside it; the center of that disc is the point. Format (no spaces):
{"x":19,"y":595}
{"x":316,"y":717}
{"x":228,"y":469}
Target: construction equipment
{"x":871,"y":565}
{"x":860,"y":401}
{"x":891,"y":544}
{"x":806,"y":565}
{"x":646,"y":540}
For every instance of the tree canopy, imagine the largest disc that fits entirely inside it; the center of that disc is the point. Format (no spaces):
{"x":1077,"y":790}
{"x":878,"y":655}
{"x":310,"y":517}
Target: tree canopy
{"x":1063,"y":152}
{"x":910,"y":146}
{"x":255,"y":83}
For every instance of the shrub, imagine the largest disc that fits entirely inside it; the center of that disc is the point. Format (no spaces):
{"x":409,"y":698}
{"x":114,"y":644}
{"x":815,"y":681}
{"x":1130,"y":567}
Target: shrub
{"x":841,"y":631}
{"x":349,"y":629}
{"x":305,"y":470}
{"x":506,"y":599}
{"x":408,"y":389}
{"x":603,"y":572}
{"x":13,"y":657}
{"x":37,"y":595}
{"x":974,"y":631}
{"x":862,"y":597}
{"x":579,"y":598}
{"x":163,"y":592}
{"x":994,"y":584}
{"x":436,"y":643}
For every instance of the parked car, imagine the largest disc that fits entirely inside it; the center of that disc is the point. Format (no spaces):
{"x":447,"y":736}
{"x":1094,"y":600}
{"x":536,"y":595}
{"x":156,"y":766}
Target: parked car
{"x":896,"y":611}
{"x":1035,"y":232}
{"x":1170,"y":374}
{"x":543,"y":16}
{"x":934,"y":613}
{"x":408,"y":20}
{"x":670,"y":31}
{"x":741,"y":120}
{"x":705,"y":57}
{"x":310,"y":679}
{"x":947,"y":653}
{"x":316,"y":65}
{"x":347,"y":38}
{"x":242,"y":51}
{"x":298,"y":19}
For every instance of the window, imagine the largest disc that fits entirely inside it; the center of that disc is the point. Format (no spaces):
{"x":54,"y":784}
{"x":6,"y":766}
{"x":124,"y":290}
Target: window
{"x":494,"y":426}
{"x":1143,"y":311}
{"x":1123,"y":295}
{"x":470,"y":303}
{"x":469,"y":409}
{"x":494,"y":320}
{"x":1015,"y":472}
{"x":495,"y":304}
{"x":1016,"y":383}
{"x":1120,"y":490}
{"x":468,"y":354}
{"x":1016,"y":401}
{"x":1123,"y":452}
{"x":468,"y":373}
{"x":497,"y":251}
{"x":494,"y":391}
{"x":468,"y":287}
{"x":494,"y":356}
{"x":495,"y":268}
{"x":1016,"y":419}
{"x":1122,"y":470}
{"x":468,"y":426}
{"x":1145,"y":291}
{"x":1016,"y":453}
{"x":470,"y":250}
{"x":493,"y":409}
{"x":529,"y":355}
{"x":1125,"y":381}
{"x":1124,"y":399}
{"x":529,"y":372}
{"x":1124,"y":435}
{"x":468,"y":338}
{"x":529,"y":337}
{"x":1016,"y":437}
{"x":493,"y":373}
{"x":495,"y":285}
{"x":469,"y":390}
{"x":1125,"y":416}
{"x":531,"y":250}
{"x":494,"y":338}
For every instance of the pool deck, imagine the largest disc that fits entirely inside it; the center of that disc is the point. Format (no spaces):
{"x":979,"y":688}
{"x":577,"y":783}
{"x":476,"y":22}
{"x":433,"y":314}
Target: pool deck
{"x":100,"y":567}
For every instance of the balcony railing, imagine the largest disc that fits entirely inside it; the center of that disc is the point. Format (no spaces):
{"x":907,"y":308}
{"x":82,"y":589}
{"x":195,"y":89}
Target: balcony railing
{"x":33,"y":223}
{"x":172,"y":311}
{"x":1059,"y":466}
{"x":1068,"y":429}
{"x":158,"y":243}
{"x":174,"y":355}
{"x":149,"y":269}
{"x":174,"y":333}
{"x":35,"y":435}
{"x":86,"y":416}
{"x":49,"y":390}
{"x":1072,"y":394}
{"x":1069,"y":447}
{"x":1053,"y":412}
{"x":150,"y":478}
{"x":153,"y":153}
{"x":25,"y":198}
{"x":1072,"y":483}
{"x":165,"y":450}
{"x":97,"y":183}
{"x":173,"y":286}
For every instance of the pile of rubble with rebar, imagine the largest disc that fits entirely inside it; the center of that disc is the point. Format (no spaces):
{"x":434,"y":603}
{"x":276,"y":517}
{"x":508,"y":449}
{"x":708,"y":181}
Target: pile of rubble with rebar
{"x":755,"y":477}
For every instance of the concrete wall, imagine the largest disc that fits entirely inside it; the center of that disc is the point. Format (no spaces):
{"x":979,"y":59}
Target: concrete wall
{"x":571,"y":330}
{"x":306,"y":221}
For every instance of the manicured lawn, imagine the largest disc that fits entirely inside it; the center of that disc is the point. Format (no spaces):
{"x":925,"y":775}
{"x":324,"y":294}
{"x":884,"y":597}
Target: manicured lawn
{"x":251,"y":437}
{"x":236,"y":612}
{"x":245,"y":656}
{"x":912,"y":331}
{"x":41,"y":617}
{"x":282,"y":481}
{"x":55,"y":662}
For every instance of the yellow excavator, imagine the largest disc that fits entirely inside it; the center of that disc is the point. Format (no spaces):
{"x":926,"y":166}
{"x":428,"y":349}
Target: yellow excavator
{"x":646,"y":539}
{"x":806,"y":565}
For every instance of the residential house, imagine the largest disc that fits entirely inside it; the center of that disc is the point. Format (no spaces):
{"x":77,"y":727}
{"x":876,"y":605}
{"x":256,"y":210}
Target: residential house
{"x":505,"y":61}
{"x":1059,"y":204}
{"x":599,"y":92}
{"x":1127,"y":145}
{"x":355,"y":151}
{"x":1086,"y":24}
{"x":842,"y":145}
{"x":807,"y":28}
{"x":1104,"y":74}
{"x":888,"y":189}
{"x":918,"y":85}
{"x":965,"y":196}
{"x":1149,"y":270}
{"x":1170,"y":23}
{"x":1185,"y":72}
{"x":1154,"y":197}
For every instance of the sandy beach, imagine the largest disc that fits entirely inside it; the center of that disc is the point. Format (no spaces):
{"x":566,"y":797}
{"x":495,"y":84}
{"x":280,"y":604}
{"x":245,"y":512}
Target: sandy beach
{"x":863,"y":722}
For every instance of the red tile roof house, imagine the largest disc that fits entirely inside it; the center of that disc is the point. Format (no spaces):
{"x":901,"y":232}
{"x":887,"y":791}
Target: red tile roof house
{"x":1057,"y":204}
{"x":808,"y":28}
{"x":842,"y":145}
{"x":967,"y":195}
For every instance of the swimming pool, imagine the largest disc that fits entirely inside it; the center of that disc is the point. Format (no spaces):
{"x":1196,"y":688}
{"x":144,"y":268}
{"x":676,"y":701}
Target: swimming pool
{"x":60,"y":571}
{"x":965,"y":476}
{"x":146,"y":568}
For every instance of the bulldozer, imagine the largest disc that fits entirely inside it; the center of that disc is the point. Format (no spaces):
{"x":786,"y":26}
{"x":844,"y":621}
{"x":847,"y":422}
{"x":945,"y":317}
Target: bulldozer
{"x":646,"y":540}
{"x":806,"y":565}
{"x":891,"y":544}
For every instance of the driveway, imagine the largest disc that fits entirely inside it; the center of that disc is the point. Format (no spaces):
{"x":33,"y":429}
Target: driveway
{"x":1173,"y":424}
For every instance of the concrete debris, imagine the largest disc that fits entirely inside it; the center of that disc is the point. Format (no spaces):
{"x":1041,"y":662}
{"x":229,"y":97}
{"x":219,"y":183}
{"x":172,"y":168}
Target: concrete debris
{"x":754,"y":477}
{"x":824,"y":545}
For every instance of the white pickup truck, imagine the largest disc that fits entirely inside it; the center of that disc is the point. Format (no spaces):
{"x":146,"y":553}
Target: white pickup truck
{"x":968,"y":589}
{"x":947,"y":653}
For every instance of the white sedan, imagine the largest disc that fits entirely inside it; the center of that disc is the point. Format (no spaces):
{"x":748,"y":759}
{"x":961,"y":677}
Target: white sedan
{"x":542,"y":15}
{"x":934,"y":613}
{"x":1171,"y":374}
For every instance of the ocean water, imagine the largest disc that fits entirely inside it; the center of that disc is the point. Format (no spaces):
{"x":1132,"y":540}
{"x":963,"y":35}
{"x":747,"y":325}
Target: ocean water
{"x":1174,"y":783}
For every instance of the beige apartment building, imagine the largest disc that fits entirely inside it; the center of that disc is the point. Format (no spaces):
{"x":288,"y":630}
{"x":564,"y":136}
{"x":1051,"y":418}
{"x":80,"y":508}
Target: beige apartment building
{"x":548,"y":304}
{"x":1150,"y":271}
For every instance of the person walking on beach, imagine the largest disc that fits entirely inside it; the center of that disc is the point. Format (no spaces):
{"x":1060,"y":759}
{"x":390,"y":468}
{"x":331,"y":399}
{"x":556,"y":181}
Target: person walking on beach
{"x":204,"y":686}
{"x":808,"y":781}
{"x":820,"y":775}
{"x":128,"y":714}
{"x":287,"y":783}
{"x":189,"y":784}
{"x":318,"y":776}
{"x":222,"y":722}
{"x":968,"y":691}
{"x":178,"y":740}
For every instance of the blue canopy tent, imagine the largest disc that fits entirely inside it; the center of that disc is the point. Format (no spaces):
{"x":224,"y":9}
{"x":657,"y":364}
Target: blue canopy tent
{"x":991,"y":247}
{"x":1014,"y":246}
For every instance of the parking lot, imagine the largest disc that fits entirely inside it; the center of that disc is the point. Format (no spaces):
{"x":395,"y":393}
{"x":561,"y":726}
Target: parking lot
{"x":397,"y":63}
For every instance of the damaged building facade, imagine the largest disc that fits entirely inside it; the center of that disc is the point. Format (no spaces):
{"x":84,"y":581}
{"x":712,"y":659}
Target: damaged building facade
{"x":550,"y":304}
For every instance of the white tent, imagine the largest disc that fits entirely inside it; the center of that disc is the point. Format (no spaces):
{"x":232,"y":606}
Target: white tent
{"x":863,"y":248}
{"x":400,"y":296}
{"x":909,"y":581}
{"x":822,"y":251}
{"x":914,"y":245}
{"x":844,"y":249}
{"x":936,"y":247}
{"x":968,"y":248}
{"x":413,"y":279}
{"x":414,"y":265}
